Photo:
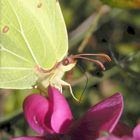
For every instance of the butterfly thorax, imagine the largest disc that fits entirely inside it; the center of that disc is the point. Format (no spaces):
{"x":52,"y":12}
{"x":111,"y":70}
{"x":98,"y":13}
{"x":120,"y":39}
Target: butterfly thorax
{"x":54,"y":76}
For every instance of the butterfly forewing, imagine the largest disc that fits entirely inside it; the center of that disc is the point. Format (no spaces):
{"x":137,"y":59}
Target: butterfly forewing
{"x":32,"y":32}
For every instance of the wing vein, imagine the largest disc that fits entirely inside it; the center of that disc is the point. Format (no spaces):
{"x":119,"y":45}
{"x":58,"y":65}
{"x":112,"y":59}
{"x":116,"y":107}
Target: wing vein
{"x":8,"y":51}
{"x":23,"y":34}
{"x":48,"y":36}
{"x":15,"y":68}
{"x":17,"y":79}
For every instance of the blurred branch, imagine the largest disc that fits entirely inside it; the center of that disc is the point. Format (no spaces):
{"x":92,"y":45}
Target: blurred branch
{"x":94,"y":24}
{"x":91,"y":24}
{"x":78,"y":34}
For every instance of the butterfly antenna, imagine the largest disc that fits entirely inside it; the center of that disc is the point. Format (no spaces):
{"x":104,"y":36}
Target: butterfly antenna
{"x":101,"y":55}
{"x":93,"y":60}
{"x":86,"y":77}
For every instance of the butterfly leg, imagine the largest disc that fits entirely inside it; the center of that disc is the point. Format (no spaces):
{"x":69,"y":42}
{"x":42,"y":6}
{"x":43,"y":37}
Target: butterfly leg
{"x":54,"y":83}
{"x":60,"y":88}
{"x":63,"y":83}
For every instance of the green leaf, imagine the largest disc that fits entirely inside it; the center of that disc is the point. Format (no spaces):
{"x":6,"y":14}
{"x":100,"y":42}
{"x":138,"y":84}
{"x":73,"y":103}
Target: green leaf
{"x":123,"y":3}
{"x":32,"y":32}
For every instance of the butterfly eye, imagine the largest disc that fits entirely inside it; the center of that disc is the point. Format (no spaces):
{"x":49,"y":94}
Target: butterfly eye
{"x":65,"y":62}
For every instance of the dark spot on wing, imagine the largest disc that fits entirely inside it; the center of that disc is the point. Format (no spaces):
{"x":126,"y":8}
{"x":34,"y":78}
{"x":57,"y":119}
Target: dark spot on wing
{"x":39,"y":5}
{"x":131,"y":30}
{"x":5,"y":29}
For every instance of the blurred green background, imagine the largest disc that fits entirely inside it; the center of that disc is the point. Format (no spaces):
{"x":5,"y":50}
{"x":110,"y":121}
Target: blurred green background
{"x":93,"y":27}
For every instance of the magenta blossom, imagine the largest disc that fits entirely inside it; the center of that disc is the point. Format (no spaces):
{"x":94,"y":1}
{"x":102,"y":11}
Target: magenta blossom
{"x":52,"y":119}
{"x":135,"y":135}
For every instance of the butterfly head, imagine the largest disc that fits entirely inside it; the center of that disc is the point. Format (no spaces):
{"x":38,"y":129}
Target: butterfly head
{"x":68,"y":63}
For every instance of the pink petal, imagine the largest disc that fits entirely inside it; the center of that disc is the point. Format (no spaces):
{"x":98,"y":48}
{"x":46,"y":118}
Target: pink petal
{"x":136,"y":132}
{"x":109,"y":138}
{"x":127,"y":138}
{"x":36,"y":108}
{"x":122,"y":130}
{"x":51,"y":115}
{"x":102,"y":117}
{"x":28,"y":138}
{"x":61,"y":118}
{"x":115,"y":138}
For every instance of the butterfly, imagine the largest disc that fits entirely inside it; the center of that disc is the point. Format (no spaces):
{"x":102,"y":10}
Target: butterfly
{"x":34,"y":45}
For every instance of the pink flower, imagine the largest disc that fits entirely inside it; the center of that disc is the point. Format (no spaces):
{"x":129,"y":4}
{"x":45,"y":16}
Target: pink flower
{"x":122,"y":129}
{"x":135,"y":135}
{"x":52,"y":119}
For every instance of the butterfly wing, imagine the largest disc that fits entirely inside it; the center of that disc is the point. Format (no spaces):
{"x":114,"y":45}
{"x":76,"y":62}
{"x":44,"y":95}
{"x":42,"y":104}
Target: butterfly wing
{"x":32,"y":32}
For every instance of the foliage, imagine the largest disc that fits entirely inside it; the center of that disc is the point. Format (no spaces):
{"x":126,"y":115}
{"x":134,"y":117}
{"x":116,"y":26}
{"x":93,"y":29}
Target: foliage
{"x":123,"y":3}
